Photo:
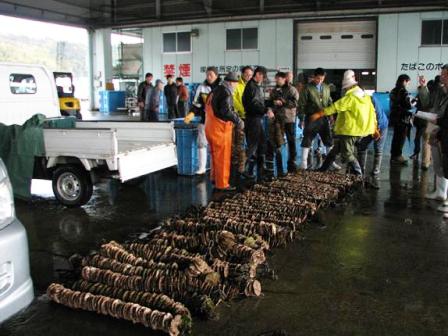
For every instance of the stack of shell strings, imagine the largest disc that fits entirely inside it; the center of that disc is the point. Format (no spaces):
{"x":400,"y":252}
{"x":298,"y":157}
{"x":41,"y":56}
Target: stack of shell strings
{"x":193,"y":263}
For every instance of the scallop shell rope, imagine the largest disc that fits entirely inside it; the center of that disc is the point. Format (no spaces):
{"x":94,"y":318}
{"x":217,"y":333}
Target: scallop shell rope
{"x":194,"y":262}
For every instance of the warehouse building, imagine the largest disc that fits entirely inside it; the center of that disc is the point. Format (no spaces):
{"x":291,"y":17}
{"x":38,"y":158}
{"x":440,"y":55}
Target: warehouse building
{"x":378,"y":47}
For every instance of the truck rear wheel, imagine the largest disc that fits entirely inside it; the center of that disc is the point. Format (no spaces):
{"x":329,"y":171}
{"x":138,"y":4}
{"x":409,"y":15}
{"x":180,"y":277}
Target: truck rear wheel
{"x":72,"y":185}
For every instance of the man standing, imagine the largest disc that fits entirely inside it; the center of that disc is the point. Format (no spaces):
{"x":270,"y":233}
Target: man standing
{"x":198,"y":108}
{"x":141,"y":92}
{"x":283,"y":103}
{"x":152,"y":102}
{"x":246,"y":75}
{"x":170,"y":91}
{"x":254,"y":105}
{"x":290,"y":124}
{"x":238,"y":149}
{"x":437,"y":103}
{"x":356,"y":119}
{"x":219,"y":122}
{"x":182,"y":98}
{"x":314,"y":98}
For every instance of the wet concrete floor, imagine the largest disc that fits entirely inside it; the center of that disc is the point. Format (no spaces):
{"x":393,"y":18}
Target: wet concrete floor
{"x":375,"y":265}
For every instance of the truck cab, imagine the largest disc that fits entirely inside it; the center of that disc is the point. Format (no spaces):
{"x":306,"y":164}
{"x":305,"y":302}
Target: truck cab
{"x":78,"y":154}
{"x":26,"y":90}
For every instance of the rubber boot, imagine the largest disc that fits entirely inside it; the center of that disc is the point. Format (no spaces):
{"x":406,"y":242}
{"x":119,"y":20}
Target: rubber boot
{"x":362,"y":159}
{"x":269,"y":171}
{"x":319,"y":159}
{"x":355,"y":168}
{"x":329,"y":160}
{"x":304,"y":159}
{"x":444,"y":207}
{"x":279,"y":163}
{"x":441,"y":190}
{"x":249,"y":172}
{"x":261,"y":168}
{"x":376,"y":171}
{"x":202,"y":161}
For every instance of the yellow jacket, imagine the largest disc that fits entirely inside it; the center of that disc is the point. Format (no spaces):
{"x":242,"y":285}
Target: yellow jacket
{"x":356,"y":114}
{"x":238,"y":98}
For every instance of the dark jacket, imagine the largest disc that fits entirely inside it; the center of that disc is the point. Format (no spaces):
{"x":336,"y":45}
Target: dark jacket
{"x":141,"y":92}
{"x":442,"y":135}
{"x":152,"y":102}
{"x":170,"y":91}
{"x":312,"y":100}
{"x":253,"y":100}
{"x":400,"y":106}
{"x":200,"y":97}
{"x":439,"y":103}
{"x":222,"y":104}
{"x":289,"y":96}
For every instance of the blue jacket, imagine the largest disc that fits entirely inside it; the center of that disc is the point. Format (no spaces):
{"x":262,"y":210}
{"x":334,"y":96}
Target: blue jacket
{"x":381,"y":116}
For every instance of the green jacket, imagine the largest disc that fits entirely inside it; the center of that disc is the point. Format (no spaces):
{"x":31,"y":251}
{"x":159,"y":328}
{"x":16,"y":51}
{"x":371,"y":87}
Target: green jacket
{"x":356,"y":114}
{"x":312,"y":101}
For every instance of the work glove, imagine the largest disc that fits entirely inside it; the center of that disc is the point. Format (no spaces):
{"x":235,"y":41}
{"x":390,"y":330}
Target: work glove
{"x":189,"y":117}
{"x":316,"y":116}
{"x":377,"y":135}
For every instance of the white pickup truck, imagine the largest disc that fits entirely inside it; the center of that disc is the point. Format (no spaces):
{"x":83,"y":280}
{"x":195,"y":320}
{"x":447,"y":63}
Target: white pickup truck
{"x":76,"y":158}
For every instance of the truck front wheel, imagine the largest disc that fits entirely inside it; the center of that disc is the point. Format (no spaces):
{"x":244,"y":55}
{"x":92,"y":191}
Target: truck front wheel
{"x":72,"y":185}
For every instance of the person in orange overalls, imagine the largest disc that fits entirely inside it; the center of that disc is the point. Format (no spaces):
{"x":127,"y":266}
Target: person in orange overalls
{"x":219,"y":121}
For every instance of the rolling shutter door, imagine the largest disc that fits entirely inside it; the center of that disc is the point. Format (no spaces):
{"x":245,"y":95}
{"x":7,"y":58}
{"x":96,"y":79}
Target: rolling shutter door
{"x":336,"y":45}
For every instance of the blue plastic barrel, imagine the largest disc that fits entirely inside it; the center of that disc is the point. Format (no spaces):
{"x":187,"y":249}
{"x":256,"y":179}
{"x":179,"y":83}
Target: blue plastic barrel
{"x":187,"y":146}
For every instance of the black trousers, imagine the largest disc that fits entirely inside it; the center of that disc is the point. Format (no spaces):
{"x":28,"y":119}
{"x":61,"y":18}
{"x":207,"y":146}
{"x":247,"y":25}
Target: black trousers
{"x":172,"y":111}
{"x":400,"y":132}
{"x":182,"y":109}
{"x":312,"y":129}
{"x":290,"y":131}
{"x":149,"y":116}
{"x":256,"y":140}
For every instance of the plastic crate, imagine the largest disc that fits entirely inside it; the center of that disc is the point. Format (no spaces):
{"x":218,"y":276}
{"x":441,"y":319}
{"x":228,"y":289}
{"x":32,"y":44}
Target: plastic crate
{"x":187,"y":150}
{"x":110,"y":101}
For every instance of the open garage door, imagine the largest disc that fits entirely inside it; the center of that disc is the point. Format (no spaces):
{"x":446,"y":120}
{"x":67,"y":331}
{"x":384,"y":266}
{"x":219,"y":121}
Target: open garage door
{"x":337,"y":46}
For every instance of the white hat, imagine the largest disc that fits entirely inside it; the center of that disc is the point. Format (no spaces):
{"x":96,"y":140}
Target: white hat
{"x":349,"y":79}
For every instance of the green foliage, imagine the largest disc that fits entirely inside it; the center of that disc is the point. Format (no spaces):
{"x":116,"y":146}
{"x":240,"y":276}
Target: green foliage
{"x":22,"y":49}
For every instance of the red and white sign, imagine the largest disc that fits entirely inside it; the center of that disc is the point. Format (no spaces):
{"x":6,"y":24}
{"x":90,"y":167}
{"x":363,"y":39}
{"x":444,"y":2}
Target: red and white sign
{"x":169,"y":69}
{"x":184,"y":70}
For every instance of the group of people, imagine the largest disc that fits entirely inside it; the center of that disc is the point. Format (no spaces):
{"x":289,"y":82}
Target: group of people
{"x":148,"y":97}
{"x":245,"y":128}
{"x":431,"y":136}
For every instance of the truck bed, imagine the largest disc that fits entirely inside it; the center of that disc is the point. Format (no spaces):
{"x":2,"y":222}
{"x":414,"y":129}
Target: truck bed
{"x":129,"y":149}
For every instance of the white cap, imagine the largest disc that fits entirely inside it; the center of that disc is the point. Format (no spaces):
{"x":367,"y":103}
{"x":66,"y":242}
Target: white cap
{"x":349,"y":79}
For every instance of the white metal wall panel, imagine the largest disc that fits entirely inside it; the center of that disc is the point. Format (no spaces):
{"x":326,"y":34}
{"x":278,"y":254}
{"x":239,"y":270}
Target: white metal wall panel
{"x":400,"y":50}
{"x":336,"y":53}
{"x":275,"y":40}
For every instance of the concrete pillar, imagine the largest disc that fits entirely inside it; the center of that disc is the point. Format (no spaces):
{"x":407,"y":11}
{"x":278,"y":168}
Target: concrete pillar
{"x":100,"y":62}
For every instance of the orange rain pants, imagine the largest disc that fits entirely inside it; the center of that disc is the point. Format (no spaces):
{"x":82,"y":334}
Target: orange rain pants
{"x":219,"y":137}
